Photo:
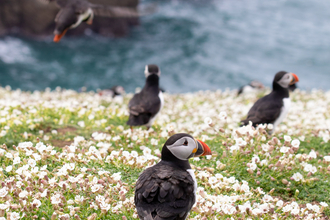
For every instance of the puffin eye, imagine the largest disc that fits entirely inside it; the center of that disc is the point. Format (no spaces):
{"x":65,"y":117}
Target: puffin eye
{"x":185,"y":143}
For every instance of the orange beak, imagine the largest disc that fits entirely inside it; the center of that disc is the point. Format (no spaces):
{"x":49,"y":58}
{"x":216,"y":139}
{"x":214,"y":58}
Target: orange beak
{"x":203,"y":149}
{"x":295,"y":79}
{"x":58,"y":37}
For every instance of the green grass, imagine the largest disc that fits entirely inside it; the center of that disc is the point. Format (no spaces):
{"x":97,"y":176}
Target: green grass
{"x":59,"y":126}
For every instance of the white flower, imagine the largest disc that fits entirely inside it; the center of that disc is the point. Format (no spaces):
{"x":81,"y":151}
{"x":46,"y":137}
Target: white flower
{"x":9,"y":168}
{"x":287,"y":138}
{"x":154,"y":142}
{"x":81,"y":124}
{"x":270,"y":126}
{"x":9,"y":155}
{"x":324,"y":204}
{"x":16,"y":160}
{"x":295,"y":143}
{"x":56,"y":199}
{"x":14,"y":216}
{"x":4,"y":206}
{"x":116,"y":176}
{"x":297,"y":177}
{"x":3,"y":192}
{"x":223,"y":116}
{"x":279,"y":203}
{"x":36,"y":202}
{"x":253,"y":166}
{"x":326,"y":158}
{"x":284,"y":149}
{"x":96,"y":188}
{"x":32,"y":162}
{"x":240,"y":142}
{"x":312,"y":154}
{"x":264,"y":162}
{"x":208,"y":121}
{"x":265,"y":147}
{"x":78,"y":199}
{"x":23,"y":194}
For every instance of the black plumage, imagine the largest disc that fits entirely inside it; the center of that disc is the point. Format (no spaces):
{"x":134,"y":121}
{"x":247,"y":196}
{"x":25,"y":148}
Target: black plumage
{"x":145,"y":105}
{"x":166,"y":191}
{"x":269,"y":108}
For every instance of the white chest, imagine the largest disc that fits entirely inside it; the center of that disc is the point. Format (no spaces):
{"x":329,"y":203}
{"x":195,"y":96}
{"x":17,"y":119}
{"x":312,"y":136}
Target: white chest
{"x":161,"y":97}
{"x":192,"y":174}
{"x":284,"y":112}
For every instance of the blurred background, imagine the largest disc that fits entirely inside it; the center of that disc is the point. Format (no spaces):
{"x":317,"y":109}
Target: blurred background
{"x":198,"y":44}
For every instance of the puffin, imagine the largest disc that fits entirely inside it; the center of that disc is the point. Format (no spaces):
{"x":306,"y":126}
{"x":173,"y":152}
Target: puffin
{"x":273,"y":107}
{"x":73,"y":12}
{"x":252,"y":86}
{"x":113,"y":91}
{"x":145,"y":105}
{"x":167,"y":190}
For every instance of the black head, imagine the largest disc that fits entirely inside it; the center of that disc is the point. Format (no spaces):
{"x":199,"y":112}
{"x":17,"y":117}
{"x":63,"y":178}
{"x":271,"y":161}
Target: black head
{"x":284,"y":79}
{"x":151,"y":69}
{"x":182,"y":146}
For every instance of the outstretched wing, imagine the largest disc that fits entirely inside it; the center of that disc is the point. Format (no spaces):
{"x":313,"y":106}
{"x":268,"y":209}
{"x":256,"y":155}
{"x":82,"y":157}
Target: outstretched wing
{"x":162,"y":192}
{"x":265,"y":110}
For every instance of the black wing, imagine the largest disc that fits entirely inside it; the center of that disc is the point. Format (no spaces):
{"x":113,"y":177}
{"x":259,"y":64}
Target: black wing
{"x":265,"y":110}
{"x":164,"y":192}
{"x":144,"y":103}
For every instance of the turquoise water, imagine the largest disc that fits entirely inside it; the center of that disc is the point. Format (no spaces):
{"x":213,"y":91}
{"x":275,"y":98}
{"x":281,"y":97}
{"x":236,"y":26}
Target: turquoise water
{"x":198,"y":45}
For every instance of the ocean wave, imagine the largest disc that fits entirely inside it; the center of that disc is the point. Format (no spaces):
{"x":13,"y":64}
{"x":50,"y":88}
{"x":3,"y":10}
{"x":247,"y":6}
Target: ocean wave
{"x":14,"y":50}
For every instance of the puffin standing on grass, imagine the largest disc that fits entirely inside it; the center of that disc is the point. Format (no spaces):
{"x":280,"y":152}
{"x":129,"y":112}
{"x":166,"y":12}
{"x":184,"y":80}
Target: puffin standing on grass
{"x":145,"y":105}
{"x":73,"y":12}
{"x":273,"y":107}
{"x":167,"y":190}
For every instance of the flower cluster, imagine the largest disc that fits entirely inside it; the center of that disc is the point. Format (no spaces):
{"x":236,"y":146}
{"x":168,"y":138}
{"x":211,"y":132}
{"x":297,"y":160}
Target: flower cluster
{"x":69,"y":155}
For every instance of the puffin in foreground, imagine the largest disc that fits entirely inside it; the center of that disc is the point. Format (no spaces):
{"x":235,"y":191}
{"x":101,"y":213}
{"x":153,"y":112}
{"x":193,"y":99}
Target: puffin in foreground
{"x":273,"y":107}
{"x":145,"y":105}
{"x":73,"y":12}
{"x":167,"y":190}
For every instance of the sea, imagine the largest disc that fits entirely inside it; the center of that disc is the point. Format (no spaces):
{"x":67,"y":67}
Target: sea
{"x":198,"y":45}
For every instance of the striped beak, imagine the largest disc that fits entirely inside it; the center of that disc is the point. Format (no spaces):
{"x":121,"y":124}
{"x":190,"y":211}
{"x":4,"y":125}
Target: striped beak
{"x":58,"y":37}
{"x":295,"y":79}
{"x":202,"y":149}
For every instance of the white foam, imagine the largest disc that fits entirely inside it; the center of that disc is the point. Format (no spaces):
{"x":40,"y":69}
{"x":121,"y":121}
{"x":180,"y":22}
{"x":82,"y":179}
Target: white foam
{"x":13,"y":50}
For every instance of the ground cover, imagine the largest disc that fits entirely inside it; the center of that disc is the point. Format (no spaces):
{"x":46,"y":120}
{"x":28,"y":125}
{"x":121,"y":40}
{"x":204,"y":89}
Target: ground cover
{"x":69,"y":155}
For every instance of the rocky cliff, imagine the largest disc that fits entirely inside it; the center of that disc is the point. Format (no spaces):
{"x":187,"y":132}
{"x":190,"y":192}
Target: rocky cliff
{"x":35,"y":18}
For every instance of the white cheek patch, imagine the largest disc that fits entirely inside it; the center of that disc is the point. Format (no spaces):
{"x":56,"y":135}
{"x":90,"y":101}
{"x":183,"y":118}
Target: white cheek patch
{"x":182,"y":152}
{"x":285,"y":81}
{"x":146,"y":71}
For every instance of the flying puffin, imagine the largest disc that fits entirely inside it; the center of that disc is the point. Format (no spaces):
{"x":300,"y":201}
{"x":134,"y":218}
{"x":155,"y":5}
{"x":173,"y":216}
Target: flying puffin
{"x":145,"y":105}
{"x":73,"y":12}
{"x":252,"y":86}
{"x":273,"y":107}
{"x":167,"y":190}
